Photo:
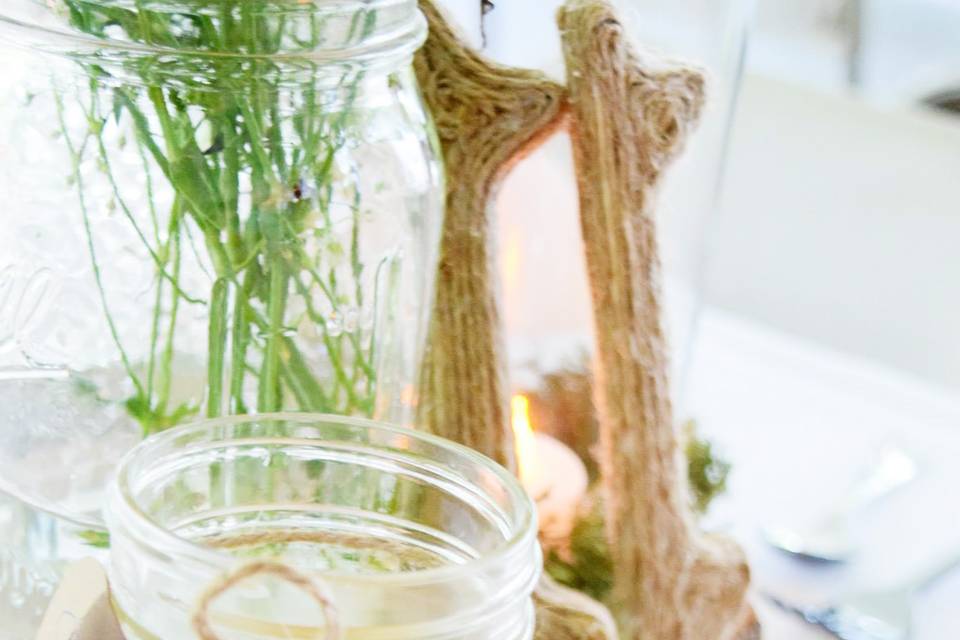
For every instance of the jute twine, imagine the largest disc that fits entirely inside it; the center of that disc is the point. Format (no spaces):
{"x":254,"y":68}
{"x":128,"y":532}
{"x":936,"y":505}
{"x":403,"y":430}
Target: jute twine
{"x":311,"y":586}
{"x":631,"y":117}
{"x":629,"y":120}
{"x":487,"y":116}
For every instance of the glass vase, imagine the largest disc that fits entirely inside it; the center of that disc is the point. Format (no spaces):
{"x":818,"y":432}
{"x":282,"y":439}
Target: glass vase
{"x":408,"y":536}
{"x":210,"y":207}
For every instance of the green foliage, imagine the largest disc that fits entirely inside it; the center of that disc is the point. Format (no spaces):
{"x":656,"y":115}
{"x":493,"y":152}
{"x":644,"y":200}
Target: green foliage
{"x":588,"y":567}
{"x":153,"y":420}
{"x":210,"y":110}
{"x":95,"y":539}
{"x":706,"y":471}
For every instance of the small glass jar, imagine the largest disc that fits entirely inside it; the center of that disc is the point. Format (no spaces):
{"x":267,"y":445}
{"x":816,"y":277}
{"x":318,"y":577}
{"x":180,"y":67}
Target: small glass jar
{"x":413,"y":537}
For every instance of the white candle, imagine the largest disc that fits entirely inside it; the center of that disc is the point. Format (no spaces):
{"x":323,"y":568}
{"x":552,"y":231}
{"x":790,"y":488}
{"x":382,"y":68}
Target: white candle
{"x":553,"y":475}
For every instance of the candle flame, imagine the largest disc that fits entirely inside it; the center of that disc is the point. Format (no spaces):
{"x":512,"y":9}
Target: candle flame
{"x":525,"y":440}
{"x":408,"y":396}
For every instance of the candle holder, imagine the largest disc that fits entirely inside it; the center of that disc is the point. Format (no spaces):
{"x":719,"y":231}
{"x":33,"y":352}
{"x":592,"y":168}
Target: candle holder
{"x":408,"y":536}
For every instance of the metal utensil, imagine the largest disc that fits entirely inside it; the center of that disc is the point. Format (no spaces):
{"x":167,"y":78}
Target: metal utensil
{"x":828,"y":538}
{"x":880,"y":615}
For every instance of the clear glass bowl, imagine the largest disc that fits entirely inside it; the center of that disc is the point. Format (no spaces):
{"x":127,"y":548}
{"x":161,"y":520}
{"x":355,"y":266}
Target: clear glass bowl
{"x":414,"y":537}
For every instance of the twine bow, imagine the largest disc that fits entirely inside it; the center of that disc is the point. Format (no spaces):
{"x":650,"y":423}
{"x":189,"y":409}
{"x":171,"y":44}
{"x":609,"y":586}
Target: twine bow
{"x":315,"y":589}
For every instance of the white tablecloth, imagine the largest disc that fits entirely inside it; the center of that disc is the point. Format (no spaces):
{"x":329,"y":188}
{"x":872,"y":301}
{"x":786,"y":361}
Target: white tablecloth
{"x":799,"y":422}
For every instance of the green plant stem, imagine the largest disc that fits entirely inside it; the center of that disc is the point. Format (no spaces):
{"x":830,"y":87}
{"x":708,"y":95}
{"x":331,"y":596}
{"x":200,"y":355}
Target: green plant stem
{"x":76,"y":155}
{"x":217,"y":341}
{"x":154,"y":336}
{"x":343,"y":381}
{"x":249,"y":188}
{"x":240,"y":334}
{"x":270,"y":396}
{"x":160,"y":265}
{"x":305,"y":388}
{"x":166,"y":365}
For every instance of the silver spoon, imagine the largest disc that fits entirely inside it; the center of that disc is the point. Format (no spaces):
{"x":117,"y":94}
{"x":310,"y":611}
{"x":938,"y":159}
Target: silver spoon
{"x":882,"y":615}
{"x":828,"y":538}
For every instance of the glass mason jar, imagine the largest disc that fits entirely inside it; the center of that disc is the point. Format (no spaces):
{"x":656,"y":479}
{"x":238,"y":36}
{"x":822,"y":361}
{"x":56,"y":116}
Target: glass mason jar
{"x":210,"y":207}
{"x":412,"y":537}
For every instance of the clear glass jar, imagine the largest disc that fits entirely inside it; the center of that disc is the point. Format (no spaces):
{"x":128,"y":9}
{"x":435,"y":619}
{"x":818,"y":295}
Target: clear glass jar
{"x":209,"y":207}
{"x":414,"y":537}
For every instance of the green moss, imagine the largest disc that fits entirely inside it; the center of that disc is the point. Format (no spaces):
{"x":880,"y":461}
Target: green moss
{"x":588,"y":567}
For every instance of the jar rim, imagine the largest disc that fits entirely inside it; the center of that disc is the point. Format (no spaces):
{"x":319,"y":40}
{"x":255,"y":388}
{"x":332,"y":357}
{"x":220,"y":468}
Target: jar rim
{"x":524,"y":511}
{"x":401,"y":40}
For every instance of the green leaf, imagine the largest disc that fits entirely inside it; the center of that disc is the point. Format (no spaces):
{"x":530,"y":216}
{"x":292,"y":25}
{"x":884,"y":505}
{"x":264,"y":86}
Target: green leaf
{"x":706,"y":471}
{"x":153,"y":419}
{"x":139,"y":409}
{"x":188,"y":173}
{"x":94,"y":538}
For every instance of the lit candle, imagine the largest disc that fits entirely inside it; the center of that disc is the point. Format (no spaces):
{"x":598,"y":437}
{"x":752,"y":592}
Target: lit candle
{"x":553,"y":475}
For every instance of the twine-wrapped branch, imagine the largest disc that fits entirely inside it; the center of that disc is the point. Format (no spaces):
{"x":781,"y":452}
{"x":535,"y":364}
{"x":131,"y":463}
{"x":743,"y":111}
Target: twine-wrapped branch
{"x":488,"y":117}
{"x":629,"y":121}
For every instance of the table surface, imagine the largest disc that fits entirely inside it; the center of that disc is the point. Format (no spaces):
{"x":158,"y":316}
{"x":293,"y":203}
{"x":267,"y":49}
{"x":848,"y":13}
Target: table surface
{"x":800,"y":422}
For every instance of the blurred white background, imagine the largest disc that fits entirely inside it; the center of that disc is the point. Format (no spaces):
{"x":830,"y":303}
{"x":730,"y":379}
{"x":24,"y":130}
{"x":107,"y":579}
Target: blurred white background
{"x":840,"y":218}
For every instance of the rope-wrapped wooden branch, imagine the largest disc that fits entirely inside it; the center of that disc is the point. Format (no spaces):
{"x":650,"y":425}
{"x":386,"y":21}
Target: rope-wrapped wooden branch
{"x":629,"y":121}
{"x":488,"y":116}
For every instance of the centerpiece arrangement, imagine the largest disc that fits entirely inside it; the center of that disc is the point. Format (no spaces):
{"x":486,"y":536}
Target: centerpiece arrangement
{"x":253,"y":220}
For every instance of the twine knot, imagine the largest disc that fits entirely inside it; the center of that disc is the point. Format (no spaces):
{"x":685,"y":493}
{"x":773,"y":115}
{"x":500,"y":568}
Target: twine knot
{"x":314,"y":588}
